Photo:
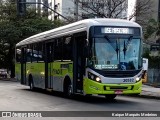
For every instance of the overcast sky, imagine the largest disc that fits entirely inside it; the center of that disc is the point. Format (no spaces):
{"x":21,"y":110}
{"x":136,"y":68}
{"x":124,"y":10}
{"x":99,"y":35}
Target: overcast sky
{"x":131,"y":4}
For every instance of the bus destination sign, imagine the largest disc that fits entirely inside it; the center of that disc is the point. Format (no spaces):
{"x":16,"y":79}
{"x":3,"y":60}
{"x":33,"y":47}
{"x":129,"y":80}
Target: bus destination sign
{"x":116,"y":30}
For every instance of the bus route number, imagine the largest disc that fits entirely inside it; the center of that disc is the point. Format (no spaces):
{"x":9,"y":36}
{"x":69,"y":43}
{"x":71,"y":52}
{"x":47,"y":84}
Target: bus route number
{"x":128,"y":80}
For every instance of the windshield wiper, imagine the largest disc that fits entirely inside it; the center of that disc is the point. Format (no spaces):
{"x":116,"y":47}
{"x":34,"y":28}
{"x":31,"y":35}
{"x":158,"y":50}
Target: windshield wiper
{"x":126,"y":45}
{"x":116,"y":49}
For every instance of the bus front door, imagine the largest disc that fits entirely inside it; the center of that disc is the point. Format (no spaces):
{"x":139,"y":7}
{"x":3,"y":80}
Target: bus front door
{"x":79,"y":64}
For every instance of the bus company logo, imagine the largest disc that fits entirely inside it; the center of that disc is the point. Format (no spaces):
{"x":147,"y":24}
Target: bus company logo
{"x":57,"y":71}
{"x":21,"y":114}
{"x":123,"y":67}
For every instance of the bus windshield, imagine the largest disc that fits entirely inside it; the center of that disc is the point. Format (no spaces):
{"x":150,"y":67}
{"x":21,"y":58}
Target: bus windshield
{"x":116,"y":53}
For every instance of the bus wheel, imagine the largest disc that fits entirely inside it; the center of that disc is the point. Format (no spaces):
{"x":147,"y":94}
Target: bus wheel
{"x":67,"y":89}
{"x":110,"y":97}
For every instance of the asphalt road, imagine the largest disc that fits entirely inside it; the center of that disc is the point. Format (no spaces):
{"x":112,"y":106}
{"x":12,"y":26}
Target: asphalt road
{"x":16,"y":97}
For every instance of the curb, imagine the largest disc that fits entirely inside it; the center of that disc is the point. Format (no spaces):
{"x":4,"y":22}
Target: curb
{"x":144,"y":96}
{"x":153,"y":85}
{"x":9,"y":79}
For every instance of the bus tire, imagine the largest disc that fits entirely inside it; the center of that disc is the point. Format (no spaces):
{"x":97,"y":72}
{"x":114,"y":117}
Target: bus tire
{"x":31,"y":84}
{"x":67,"y":88}
{"x":110,"y":97}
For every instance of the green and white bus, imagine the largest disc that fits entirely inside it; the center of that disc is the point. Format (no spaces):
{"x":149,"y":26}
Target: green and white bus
{"x":93,"y":56}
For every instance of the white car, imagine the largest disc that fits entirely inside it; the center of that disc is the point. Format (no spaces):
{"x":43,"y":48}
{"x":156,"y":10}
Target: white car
{"x":3,"y":73}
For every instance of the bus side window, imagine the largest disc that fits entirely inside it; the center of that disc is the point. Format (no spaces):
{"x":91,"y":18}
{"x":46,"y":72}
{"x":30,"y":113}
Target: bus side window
{"x":29,"y":53}
{"x":58,"y":49}
{"x":67,"y":48}
{"x":18,"y":55}
{"x":35,"y":53}
{"x":40,"y":56}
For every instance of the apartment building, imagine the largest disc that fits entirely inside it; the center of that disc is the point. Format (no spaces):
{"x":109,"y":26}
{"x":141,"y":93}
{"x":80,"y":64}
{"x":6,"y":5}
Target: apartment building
{"x":79,"y":10}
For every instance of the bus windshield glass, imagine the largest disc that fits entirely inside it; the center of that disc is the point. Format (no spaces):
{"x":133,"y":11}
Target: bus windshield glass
{"x":116,"y":53}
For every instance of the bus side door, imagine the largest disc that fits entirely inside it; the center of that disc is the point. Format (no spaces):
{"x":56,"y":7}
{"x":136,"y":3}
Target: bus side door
{"x":48,"y":65}
{"x":79,"y":62}
{"x":23,"y":65}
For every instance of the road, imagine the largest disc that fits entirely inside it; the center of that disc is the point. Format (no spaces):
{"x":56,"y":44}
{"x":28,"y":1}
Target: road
{"x":16,"y":97}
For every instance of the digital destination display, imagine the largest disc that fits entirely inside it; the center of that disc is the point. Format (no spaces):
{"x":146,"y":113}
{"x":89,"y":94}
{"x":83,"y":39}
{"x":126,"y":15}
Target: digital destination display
{"x":113,"y":66}
{"x":116,"y":30}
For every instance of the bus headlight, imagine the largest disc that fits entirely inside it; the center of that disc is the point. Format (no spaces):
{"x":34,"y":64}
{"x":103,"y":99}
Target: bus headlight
{"x":94,"y":77}
{"x":138,"y":79}
{"x":98,"y":79}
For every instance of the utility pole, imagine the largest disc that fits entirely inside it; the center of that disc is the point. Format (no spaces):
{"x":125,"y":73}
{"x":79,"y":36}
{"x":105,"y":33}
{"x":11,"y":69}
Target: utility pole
{"x":45,"y":9}
{"x":21,"y":7}
{"x":39,"y":8}
{"x":109,"y":10}
{"x":54,"y":8}
{"x":76,"y":10}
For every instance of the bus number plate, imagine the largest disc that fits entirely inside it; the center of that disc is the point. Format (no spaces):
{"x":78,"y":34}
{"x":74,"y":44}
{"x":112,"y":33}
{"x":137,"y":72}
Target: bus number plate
{"x":118,"y":91}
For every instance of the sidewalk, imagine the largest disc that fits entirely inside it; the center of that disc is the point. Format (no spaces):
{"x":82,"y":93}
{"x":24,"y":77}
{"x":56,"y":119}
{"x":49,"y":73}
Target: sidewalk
{"x":150,"y":92}
{"x":9,"y":79}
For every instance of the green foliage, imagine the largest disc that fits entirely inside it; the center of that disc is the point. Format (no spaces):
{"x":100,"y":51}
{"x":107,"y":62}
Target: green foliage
{"x":153,"y":28}
{"x":14,"y":28}
{"x":154,"y":61}
{"x":146,"y":54}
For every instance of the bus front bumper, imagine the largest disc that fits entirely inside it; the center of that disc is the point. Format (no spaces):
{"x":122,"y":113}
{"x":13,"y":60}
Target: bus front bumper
{"x":92,"y":87}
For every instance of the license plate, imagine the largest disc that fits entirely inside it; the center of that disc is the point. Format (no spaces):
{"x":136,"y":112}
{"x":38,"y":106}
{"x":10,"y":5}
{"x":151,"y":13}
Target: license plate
{"x":118,"y":91}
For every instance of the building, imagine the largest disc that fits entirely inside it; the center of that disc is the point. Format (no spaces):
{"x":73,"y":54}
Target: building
{"x":77,"y":10}
{"x":73,"y":9}
{"x":63,"y":7}
{"x":33,"y":6}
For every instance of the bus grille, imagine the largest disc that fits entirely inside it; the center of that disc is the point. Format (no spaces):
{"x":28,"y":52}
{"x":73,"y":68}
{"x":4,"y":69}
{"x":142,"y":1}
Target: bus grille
{"x":118,"y":87}
{"x":118,"y":74}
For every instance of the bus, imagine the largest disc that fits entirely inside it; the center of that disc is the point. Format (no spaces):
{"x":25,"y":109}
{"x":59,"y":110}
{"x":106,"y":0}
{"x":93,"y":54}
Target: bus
{"x":89,"y":57}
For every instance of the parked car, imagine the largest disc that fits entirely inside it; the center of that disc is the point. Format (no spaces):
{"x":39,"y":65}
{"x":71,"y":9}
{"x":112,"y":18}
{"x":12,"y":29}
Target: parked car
{"x":3,"y":73}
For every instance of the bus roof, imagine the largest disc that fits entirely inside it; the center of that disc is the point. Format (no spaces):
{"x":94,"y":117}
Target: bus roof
{"x":75,"y":27}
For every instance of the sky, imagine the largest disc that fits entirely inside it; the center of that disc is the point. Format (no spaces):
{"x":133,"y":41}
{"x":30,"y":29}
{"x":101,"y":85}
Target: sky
{"x":131,"y":4}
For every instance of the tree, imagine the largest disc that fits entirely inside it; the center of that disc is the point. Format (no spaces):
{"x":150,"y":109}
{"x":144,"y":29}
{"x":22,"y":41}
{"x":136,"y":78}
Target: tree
{"x":14,"y":29}
{"x":112,"y":9}
{"x":152,"y":29}
{"x":101,"y":8}
{"x":142,"y":12}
